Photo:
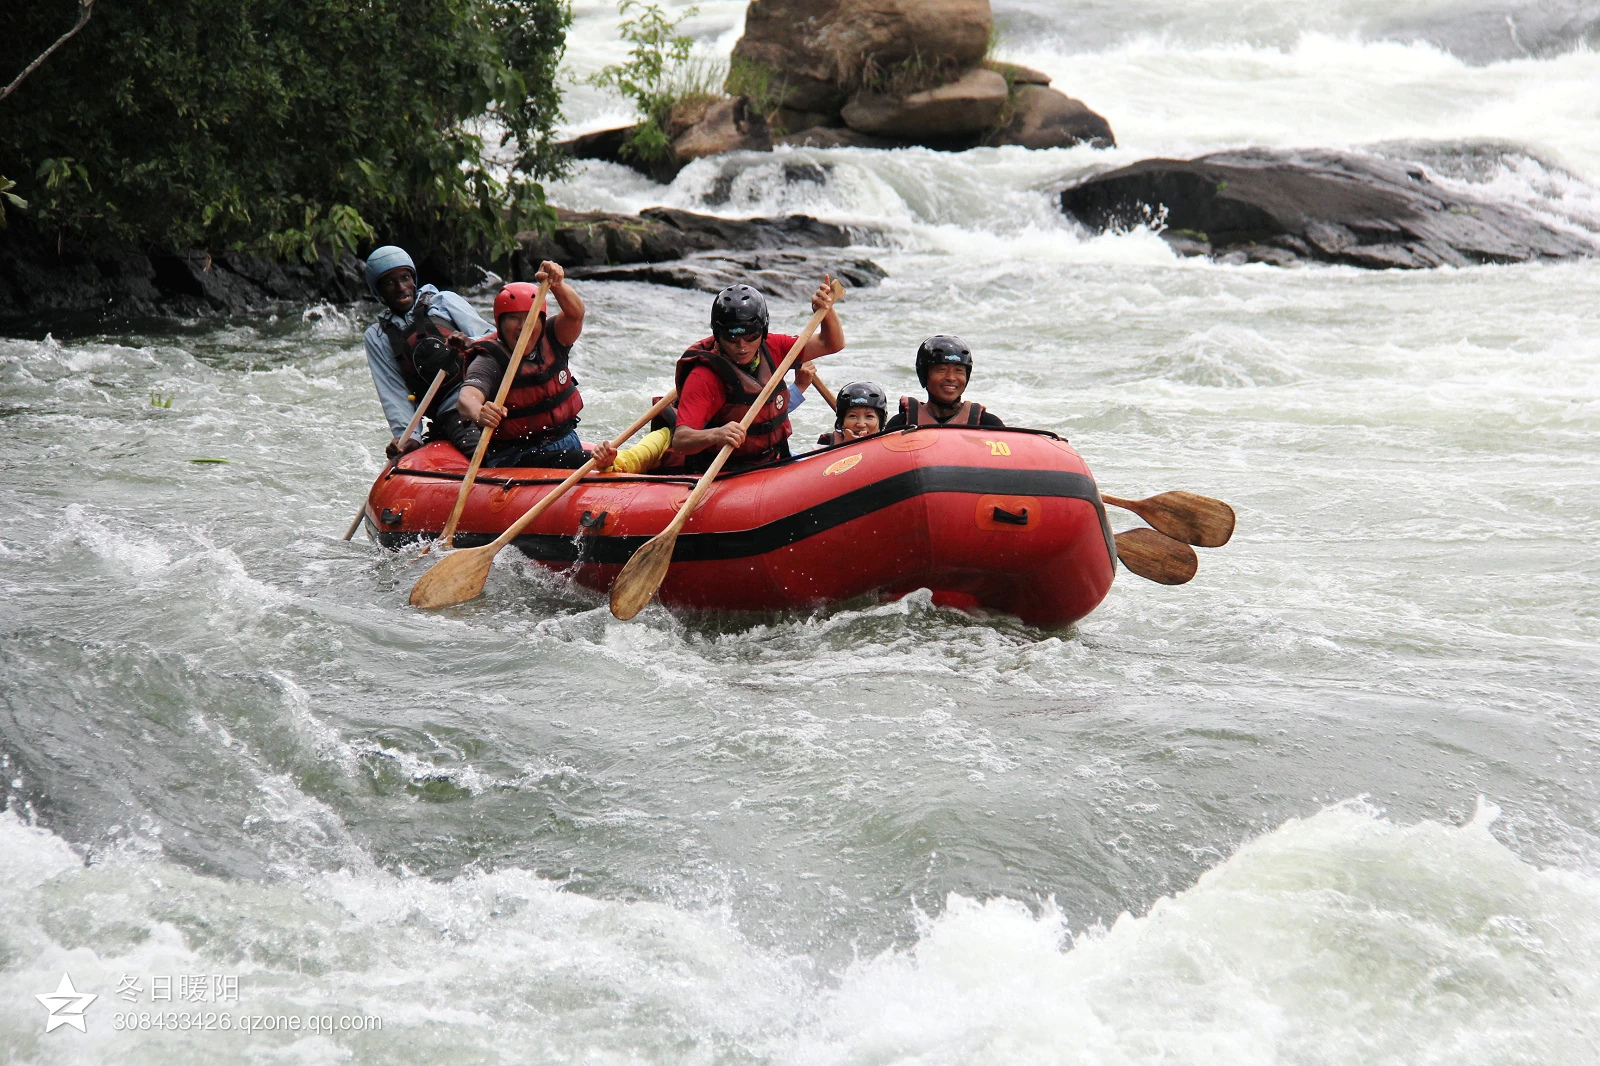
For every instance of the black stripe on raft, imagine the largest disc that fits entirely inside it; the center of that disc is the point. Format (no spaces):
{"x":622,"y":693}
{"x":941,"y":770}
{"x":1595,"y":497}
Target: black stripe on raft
{"x":858,"y":503}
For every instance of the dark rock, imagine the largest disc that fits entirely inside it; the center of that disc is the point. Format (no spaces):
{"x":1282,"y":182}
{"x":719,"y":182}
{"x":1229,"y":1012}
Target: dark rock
{"x":1337,"y":207}
{"x":1044,"y":118}
{"x":659,"y":234}
{"x":608,"y":146}
{"x":782,"y":275}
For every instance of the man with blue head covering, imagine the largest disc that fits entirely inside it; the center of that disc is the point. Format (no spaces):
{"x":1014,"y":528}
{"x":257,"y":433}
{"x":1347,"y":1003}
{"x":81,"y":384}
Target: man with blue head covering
{"x":420,"y":332}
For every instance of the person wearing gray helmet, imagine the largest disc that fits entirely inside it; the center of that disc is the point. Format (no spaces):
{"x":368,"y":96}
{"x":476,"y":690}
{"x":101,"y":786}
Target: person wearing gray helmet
{"x":944,"y":366}
{"x":419,"y":332}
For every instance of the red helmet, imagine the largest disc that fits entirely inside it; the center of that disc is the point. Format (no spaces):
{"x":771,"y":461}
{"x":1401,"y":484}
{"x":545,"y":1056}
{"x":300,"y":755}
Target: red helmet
{"x":514,"y":298}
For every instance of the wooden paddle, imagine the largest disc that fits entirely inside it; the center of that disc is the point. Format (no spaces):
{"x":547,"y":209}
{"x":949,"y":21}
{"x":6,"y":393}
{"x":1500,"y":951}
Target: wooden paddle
{"x":1185,"y":516}
{"x":416,"y":420}
{"x":459,"y":576}
{"x":1157,"y":557}
{"x":637,"y":583}
{"x":530,"y":328}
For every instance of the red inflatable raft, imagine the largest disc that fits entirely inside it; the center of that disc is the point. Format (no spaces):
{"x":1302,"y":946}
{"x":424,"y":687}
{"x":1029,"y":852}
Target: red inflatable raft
{"x":1003,"y":519}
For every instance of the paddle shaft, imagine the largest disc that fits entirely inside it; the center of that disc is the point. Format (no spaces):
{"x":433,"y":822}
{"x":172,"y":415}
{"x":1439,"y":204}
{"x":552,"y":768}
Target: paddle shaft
{"x":416,"y":420}
{"x":746,"y":422}
{"x":516,"y":528}
{"x":524,"y":341}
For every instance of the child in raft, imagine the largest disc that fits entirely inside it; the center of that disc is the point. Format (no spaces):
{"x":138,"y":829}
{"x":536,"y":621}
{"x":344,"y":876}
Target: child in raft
{"x":653,"y":451}
{"x":861,"y":410}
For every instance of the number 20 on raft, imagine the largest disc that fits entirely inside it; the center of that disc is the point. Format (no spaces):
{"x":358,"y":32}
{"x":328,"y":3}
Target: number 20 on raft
{"x":998,"y":447}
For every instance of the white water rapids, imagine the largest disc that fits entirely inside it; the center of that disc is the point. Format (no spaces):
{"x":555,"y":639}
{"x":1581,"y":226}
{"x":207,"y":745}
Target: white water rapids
{"x":1332,"y":804}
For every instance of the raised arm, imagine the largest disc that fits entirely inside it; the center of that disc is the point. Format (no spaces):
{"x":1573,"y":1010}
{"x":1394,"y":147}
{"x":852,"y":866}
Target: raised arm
{"x":830,"y":337}
{"x":567,"y":326}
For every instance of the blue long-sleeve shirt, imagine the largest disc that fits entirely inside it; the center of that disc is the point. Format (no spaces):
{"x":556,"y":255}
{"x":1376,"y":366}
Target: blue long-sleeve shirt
{"x":398,"y":407}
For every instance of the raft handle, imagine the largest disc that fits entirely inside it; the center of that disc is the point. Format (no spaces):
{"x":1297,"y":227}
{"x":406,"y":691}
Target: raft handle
{"x":592,"y":522}
{"x":391,"y":518}
{"x":1005,"y":517}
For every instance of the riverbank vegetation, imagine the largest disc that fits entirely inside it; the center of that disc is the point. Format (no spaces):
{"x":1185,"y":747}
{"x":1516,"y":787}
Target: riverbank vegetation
{"x":282,"y":127}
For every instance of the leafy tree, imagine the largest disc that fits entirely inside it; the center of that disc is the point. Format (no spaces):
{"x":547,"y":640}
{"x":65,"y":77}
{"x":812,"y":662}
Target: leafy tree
{"x":284,"y":125}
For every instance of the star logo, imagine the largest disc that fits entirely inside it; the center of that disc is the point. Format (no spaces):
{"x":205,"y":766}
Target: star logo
{"x":66,"y":1005}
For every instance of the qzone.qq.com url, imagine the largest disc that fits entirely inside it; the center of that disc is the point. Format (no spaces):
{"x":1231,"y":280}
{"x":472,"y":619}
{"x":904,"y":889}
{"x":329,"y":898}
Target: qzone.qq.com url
{"x":222,"y":1022}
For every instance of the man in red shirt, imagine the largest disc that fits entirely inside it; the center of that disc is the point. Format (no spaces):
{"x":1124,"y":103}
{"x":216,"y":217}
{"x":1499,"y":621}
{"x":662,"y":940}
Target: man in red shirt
{"x":721,"y":376}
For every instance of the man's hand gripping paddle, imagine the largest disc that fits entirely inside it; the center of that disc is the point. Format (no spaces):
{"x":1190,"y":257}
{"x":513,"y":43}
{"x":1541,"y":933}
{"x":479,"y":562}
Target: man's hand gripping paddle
{"x":459,"y":576}
{"x":637,"y":584}
{"x":531,"y":329}
{"x":416,"y":420}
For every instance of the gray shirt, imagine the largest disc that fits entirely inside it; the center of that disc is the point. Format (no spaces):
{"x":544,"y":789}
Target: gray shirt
{"x":398,"y":407}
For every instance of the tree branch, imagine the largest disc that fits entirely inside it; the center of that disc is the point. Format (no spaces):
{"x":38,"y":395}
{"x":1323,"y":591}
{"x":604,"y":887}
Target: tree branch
{"x":85,"y":9}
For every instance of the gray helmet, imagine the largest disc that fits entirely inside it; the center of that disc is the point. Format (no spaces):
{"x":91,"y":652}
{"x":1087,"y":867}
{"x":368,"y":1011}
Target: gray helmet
{"x":382,"y":260}
{"x":942,"y":349}
{"x":739,"y":310}
{"x":862,"y":394}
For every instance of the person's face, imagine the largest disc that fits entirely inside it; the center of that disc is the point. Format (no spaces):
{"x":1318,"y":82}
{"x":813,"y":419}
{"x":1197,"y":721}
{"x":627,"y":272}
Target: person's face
{"x":399,"y":289}
{"x":511,"y":327}
{"x":946,"y":383}
{"x":741,"y":349}
{"x":860,"y":422}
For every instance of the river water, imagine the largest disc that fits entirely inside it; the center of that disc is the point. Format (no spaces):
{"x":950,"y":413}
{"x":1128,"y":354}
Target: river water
{"x":1332,"y":803}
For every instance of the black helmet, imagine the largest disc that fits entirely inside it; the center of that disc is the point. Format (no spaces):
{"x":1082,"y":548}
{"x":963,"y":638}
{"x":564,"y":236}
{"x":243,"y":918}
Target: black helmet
{"x":942,"y":349}
{"x":862,"y":394}
{"x":739,"y":310}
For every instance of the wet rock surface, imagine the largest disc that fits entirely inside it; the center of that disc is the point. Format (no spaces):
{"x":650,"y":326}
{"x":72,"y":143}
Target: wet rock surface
{"x":784,"y":275}
{"x":38,"y":283}
{"x":1285,"y":207}
{"x":41,"y":279}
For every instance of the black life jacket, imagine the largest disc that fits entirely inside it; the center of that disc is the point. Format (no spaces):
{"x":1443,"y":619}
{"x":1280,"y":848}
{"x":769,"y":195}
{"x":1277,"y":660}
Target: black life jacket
{"x":917,"y":413}
{"x":426,"y":347}
{"x":828,"y":440}
{"x":766,"y":439}
{"x":544,"y":400}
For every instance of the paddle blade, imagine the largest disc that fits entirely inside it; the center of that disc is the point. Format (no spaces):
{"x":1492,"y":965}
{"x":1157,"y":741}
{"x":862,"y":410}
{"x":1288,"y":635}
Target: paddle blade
{"x":1190,"y":517}
{"x":1157,"y":558}
{"x":456,"y":578}
{"x":637,"y":584}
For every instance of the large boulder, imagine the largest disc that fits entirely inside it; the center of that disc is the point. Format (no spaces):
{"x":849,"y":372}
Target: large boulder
{"x":1279,"y":207}
{"x":1042,"y":117}
{"x":971,"y":103}
{"x":817,"y":51}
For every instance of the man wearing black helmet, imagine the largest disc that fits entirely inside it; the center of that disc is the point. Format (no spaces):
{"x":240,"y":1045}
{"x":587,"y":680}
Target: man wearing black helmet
{"x":944,"y":366}
{"x":720,"y":377}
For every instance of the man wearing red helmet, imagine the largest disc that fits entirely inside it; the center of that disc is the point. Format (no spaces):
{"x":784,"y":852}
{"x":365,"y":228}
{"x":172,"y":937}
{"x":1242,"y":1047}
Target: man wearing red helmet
{"x":538,"y":425}
{"x":721,"y":376}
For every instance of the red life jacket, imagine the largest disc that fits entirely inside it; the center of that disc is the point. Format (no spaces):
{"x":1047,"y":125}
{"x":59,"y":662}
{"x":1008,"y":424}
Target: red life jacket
{"x":765,"y":440}
{"x":544,"y":400}
{"x":828,"y":440}
{"x":426,"y":347}
{"x":917,"y":413}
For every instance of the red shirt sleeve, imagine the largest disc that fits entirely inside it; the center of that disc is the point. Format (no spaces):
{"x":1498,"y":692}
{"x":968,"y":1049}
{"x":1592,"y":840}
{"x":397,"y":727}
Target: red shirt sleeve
{"x":779,"y":344}
{"x":702,"y":397}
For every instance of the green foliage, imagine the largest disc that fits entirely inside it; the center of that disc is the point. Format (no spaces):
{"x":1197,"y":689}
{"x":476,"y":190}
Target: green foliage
{"x":163,"y":402}
{"x":286,"y":126}
{"x":658,"y":75}
{"x":758,"y":83}
{"x":6,"y":185}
